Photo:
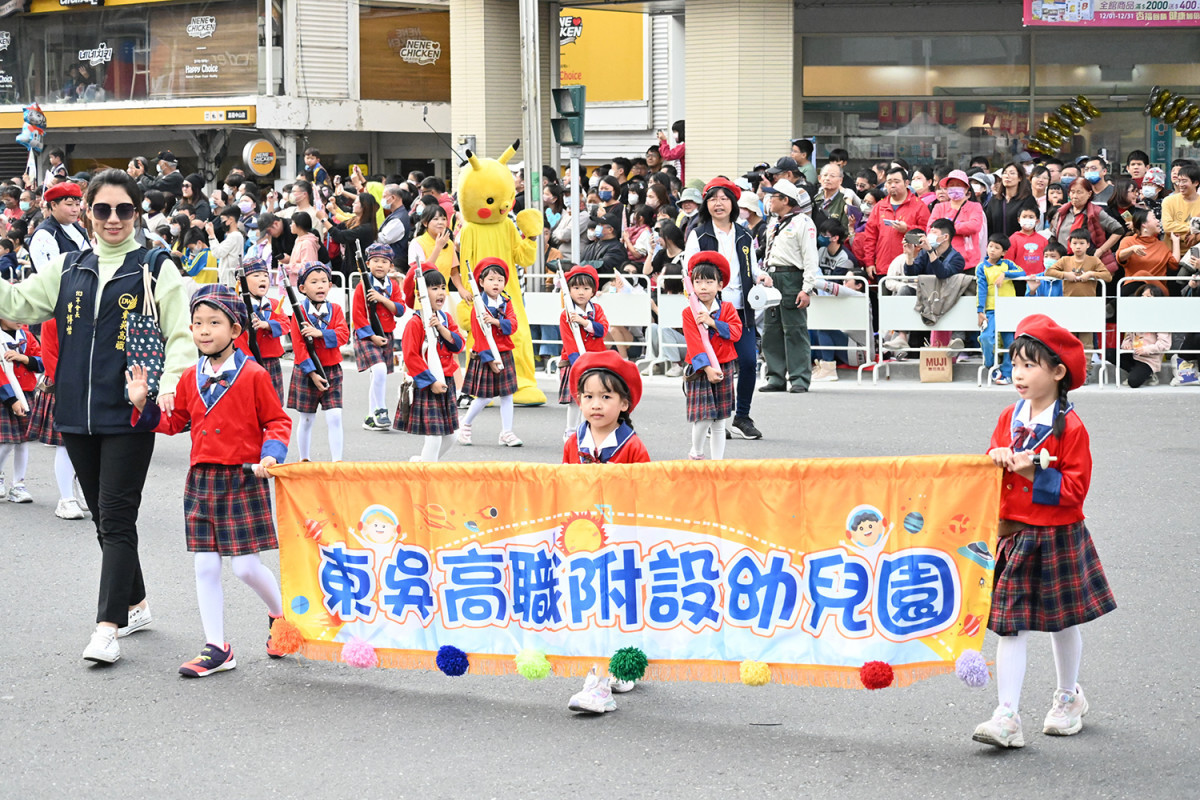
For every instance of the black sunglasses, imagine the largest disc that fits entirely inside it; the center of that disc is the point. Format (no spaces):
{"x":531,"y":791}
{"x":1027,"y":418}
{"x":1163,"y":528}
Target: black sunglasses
{"x":125,"y":211}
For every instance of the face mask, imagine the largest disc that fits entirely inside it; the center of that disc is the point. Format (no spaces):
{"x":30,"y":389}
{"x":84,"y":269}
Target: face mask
{"x":1049,"y":262}
{"x":593,"y":182}
{"x":24,"y":205}
{"x":917,"y":187}
{"x":822,"y":241}
{"x":744,"y":215}
{"x":174,"y":230}
{"x":1066,"y":180}
{"x":1028,"y":168}
{"x":1027,"y":224}
{"x":246,"y":207}
{"x":956,"y":193}
{"x":691,"y":213}
{"x":159,"y":168}
{"x":605,"y":195}
{"x":1093,"y":177}
{"x":1147,"y":191}
{"x":598,"y":231}
{"x":634,"y":198}
{"x":933,"y":240}
{"x":145,"y":205}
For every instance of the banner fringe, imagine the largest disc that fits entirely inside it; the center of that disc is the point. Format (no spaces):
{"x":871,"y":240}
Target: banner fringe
{"x":823,"y":676}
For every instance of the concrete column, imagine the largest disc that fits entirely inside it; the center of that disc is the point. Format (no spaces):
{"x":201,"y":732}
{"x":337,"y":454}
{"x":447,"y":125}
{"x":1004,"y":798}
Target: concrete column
{"x":485,"y":73}
{"x":739,"y":64}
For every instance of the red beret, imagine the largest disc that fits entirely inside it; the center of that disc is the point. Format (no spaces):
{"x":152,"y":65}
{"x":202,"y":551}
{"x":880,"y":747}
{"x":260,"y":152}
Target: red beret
{"x":711,"y":257}
{"x":722,"y":183}
{"x":410,"y":283}
{"x":489,"y":262}
{"x":609,"y":361}
{"x":1059,"y":341}
{"x":61,"y":190}
{"x":584,"y":269}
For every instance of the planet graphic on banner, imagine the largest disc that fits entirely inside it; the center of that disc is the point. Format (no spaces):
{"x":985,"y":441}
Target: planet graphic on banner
{"x":300,"y":604}
{"x":913,"y":522}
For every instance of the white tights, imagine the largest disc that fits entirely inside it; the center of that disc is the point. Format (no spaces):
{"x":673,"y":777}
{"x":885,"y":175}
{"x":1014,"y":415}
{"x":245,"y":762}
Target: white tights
{"x":717,"y":443}
{"x":573,"y":417}
{"x":436,"y":447}
{"x":250,"y":571}
{"x":333,"y":421}
{"x":1067,"y":646}
{"x":20,"y":458}
{"x":506,"y":411}
{"x":378,"y":392}
{"x":64,"y":473}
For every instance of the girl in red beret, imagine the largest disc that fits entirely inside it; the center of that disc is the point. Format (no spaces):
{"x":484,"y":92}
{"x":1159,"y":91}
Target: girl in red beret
{"x":607,"y":390}
{"x":710,"y":386}
{"x":490,"y":378}
{"x":1047,"y":576}
{"x":588,"y":318}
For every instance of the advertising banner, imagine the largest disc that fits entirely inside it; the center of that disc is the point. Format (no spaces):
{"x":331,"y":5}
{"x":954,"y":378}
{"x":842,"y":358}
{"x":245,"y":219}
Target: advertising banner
{"x":1113,"y":13}
{"x":605,"y":51}
{"x":202,"y":55}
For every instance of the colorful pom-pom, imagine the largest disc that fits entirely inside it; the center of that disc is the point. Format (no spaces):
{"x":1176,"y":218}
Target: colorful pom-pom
{"x":360,"y":654}
{"x":754,"y":673}
{"x":285,"y":636}
{"x":628,"y":664}
{"x":452,"y":661}
{"x":532,"y":664}
{"x":972,"y":669}
{"x":876,"y":675}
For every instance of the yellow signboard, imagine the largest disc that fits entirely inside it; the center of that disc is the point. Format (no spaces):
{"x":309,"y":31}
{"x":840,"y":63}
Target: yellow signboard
{"x":604,"y":50}
{"x":48,"y":6}
{"x":170,"y":116}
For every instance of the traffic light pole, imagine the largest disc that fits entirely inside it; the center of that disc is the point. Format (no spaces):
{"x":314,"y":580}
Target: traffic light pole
{"x":575,"y":153}
{"x":531,"y":105}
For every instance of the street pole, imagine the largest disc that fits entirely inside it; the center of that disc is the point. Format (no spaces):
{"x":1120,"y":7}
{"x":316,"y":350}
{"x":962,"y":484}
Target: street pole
{"x":531,"y":107}
{"x":575,"y":153}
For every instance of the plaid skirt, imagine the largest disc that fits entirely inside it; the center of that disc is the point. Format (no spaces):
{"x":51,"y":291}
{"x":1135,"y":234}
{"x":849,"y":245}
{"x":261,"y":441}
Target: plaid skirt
{"x":711,"y":400}
{"x":305,"y":398}
{"x":275,"y":370}
{"x":367,"y":354}
{"x":227,"y":511}
{"x":432,"y":414}
{"x":564,"y":384}
{"x":13,"y":429}
{"x":482,"y":382}
{"x":41,"y":419}
{"x":1048,"y":579}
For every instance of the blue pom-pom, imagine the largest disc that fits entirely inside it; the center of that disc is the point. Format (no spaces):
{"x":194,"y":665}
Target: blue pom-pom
{"x":452,"y":661}
{"x":972,"y":669}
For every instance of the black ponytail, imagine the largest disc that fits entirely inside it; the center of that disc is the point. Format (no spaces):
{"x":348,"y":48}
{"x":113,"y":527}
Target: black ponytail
{"x":1060,"y":418}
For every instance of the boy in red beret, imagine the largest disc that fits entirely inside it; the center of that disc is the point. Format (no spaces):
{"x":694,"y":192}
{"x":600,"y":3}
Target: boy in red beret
{"x":607,"y":390}
{"x":373,"y":351}
{"x":1047,"y":576}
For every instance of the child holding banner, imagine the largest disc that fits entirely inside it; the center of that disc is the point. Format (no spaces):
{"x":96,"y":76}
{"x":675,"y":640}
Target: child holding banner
{"x":584,"y":319}
{"x":41,"y":426}
{"x":488,"y":376}
{"x":268,"y":323}
{"x":20,"y":359}
{"x":1048,"y":576}
{"x":710,"y":327}
{"x":607,"y":391}
{"x":235,"y":418}
{"x":433,"y":413}
{"x":325,"y":327}
{"x":373,"y":351}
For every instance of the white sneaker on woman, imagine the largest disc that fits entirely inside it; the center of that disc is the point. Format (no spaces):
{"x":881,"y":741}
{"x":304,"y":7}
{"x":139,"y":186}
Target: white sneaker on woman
{"x":69,"y":509}
{"x":138,"y":618}
{"x":103,"y":647}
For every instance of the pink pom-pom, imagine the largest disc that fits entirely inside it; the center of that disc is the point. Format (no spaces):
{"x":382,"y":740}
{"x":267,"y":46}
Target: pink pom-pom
{"x":360,"y":654}
{"x":876,"y":675}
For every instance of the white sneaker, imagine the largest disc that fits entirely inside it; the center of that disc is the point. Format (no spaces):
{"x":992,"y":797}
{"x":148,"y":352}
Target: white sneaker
{"x":69,"y":509}
{"x":596,"y":696}
{"x":414,"y":458}
{"x":509,"y":439}
{"x":897,"y":342}
{"x":620,"y":686}
{"x":675,"y":371}
{"x":103,"y":648}
{"x":18,"y":494}
{"x":1066,"y":715}
{"x":138,"y":618}
{"x":464,"y":435}
{"x":825,"y":371}
{"x":1002,"y":730}
{"x":957,"y":344}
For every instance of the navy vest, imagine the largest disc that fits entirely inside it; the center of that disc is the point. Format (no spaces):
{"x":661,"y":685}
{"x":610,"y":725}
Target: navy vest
{"x":400,"y":246}
{"x":91,"y":346}
{"x":65,"y":243}
{"x":706,"y":237}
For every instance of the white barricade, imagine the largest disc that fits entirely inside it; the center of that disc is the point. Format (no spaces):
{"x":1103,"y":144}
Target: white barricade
{"x":897,"y":312}
{"x":622,"y":309}
{"x":845,"y":313}
{"x":1076,"y":314}
{"x":670,"y":316}
{"x":1155,"y":314}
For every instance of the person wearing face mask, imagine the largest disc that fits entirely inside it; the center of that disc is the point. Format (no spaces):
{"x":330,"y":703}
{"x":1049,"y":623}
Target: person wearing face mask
{"x":247,"y":205}
{"x":921,"y":184}
{"x":674,"y":149}
{"x":154,"y":207}
{"x":970,"y":226}
{"x":610,"y":195}
{"x":1042,"y":285}
{"x":1095,"y":169}
{"x":605,"y":253}
{"x":397,"y":224}
{"x":791,"y":260}
{"x":1153,"y":182}
{"x":560,"y":220}
{"x":689,"y":208}
{"x":750,"y":216}
{"x":1027,"y":247}
{"x":170,"y":179}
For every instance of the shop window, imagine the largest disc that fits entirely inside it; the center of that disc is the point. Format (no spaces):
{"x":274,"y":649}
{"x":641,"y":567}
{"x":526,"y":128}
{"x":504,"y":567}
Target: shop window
{"x":1117,"y":62}
{"x":403,"y":54}
{"x":919,"y":131}
{"x":883,"y":66}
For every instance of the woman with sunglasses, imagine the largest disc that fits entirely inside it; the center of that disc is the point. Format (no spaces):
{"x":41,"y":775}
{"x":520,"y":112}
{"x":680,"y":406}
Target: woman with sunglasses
{"x":89,"y":295}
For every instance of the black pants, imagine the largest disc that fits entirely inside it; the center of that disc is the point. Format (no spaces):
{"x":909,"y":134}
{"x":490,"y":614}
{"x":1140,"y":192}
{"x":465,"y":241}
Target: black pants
{"x":1138,"y":373}
{"x":112,"y":470}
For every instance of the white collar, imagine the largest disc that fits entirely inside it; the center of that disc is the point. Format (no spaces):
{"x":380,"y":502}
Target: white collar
{"x":589,"y":443}
{"x":226,"y":365}
{"x":715,"y":308}
{"x":1044,"y":418}
{"x":582,"y":310}
{"x":498,"y":302}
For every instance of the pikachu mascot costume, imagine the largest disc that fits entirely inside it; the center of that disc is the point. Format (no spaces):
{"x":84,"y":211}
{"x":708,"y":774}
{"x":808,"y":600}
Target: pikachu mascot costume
{"x":486,"y":193}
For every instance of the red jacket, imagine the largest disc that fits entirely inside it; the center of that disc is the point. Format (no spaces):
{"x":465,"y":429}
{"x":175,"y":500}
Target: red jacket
{"x":270,"y":341}
{"x":502,"y":333}
{"x":1026,"y":250}
{"x":26,"y":375}
{"x":1056,"y":495}
{"x":879,"y":244}
{"x":327,"y":349}
{"x":245,"y":423}
{"x":629,"y":449}
{"x":387,"y":320}
{"x":592,"y":335}
{"x":49,"y":349}
{"x":729,"y":330}
{"x":412,"y":345}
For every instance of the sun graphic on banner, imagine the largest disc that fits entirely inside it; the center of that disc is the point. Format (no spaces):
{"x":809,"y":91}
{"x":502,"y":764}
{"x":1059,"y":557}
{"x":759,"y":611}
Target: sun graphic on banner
{"x":582,"y":533}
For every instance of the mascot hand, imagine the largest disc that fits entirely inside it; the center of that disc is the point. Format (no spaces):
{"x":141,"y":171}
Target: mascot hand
{"x":530,"y":223}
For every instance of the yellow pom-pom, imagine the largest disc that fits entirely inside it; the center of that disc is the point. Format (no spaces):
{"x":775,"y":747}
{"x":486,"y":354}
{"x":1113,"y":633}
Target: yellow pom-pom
{"x":754,"y":673}
{"x":285,"y":637}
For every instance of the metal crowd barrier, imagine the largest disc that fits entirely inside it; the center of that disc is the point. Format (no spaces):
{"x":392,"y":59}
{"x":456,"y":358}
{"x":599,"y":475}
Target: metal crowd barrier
{"x":1154,"y":314}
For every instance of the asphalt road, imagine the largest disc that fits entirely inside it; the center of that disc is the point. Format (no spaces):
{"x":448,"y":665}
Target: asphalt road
{"x":294,"y":728}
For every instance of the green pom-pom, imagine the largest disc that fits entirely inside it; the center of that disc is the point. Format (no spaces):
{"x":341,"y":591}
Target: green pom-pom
{"x":532,"y":664}
{"x":628,"y":664}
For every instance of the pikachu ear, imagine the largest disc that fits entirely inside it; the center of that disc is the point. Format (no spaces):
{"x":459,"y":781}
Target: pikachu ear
{"x":474,"y":161}
{"x":510,"y":152}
